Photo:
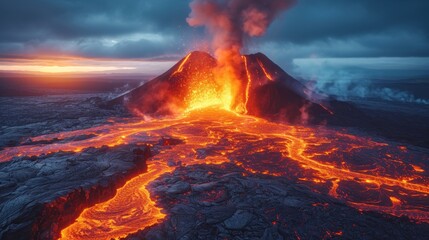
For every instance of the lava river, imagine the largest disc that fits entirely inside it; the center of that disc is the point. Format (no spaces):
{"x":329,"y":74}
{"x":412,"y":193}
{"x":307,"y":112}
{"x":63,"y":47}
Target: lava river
{"x":368,"y":174}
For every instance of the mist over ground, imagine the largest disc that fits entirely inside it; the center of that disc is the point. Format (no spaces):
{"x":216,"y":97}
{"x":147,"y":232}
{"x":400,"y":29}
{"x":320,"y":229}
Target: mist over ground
{"x":389,"y":79}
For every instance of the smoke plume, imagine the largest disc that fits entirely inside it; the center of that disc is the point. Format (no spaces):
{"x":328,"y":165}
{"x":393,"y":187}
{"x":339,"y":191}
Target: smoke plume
{"x":231,"y":21}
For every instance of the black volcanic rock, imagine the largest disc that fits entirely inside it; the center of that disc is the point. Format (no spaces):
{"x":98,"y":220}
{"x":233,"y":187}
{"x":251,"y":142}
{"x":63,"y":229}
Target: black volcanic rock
{"x":271,"y":91}
{"x":274,"y":93}
{"x":262,"y":207}
{"x":40,"y":197}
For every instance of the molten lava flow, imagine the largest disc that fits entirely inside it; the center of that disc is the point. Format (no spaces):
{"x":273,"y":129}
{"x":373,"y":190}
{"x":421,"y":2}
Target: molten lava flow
{"x":204,"y":93}
{"x":249,"y":82}
{"x":129,"y":210}
{"x":265,"y":71}
{"x":366,"y":174}
{"x":417,"y":168}
{"x":230,"y":23}
{"x":180,"y":69}
{"x":132,"y":209}
{"x":205,"y":88}
{"x":109,"y":135}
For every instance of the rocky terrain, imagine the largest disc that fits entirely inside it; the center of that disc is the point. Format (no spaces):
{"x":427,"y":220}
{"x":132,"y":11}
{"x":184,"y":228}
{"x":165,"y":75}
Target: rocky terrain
{"x":23,"y":117}
{"x":41,"y":195}
{"x":225,"y":202}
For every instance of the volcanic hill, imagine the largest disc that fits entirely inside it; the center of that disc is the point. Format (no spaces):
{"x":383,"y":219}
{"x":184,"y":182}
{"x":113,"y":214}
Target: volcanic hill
{"x":264,"y":90}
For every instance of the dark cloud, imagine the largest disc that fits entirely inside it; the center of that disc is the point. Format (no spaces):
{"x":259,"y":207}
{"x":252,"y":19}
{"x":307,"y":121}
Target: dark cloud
{"x":23,"y":20}
{"x":343,"y":28}
{"x":82,"y":27}
{"x":316,"y":20}
{"x":145,"y":29}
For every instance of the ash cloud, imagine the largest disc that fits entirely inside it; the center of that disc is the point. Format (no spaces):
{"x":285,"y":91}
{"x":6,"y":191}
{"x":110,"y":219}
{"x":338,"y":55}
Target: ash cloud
{"x":231,"y":22}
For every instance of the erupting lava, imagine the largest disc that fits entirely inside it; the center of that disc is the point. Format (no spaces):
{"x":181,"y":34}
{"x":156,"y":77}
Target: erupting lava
{"x":208,"y":96}
{"x":253,"y":85}
{"x":209,"y":99}
{"x":220,"y":106}
{"x":249,"y":83}
{"x":366,"y":174}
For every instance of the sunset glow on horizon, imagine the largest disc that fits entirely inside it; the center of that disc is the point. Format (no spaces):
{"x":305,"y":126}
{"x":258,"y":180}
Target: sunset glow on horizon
{"x":62,"y":69}
{"x":49,"y":66}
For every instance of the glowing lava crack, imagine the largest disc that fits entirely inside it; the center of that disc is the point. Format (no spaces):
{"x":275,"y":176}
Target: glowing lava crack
{"x":329,"y":161}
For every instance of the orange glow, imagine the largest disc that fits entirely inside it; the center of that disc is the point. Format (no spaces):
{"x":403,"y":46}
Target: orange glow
{"x":403,"y":148}
{"x":180,"y":69}
{"x":130,"y":202}
{"x":265,"y":71}
{"x":207,"y":90}
{"x":395,"y":201}
{"x":249,"y":82}
{"x":47,"y":65}
{"x":331,"y":234}
{"x":205,"y":93}
{"x":317,"y":157}
{"x":132,"y":209}
{"x":417,"y":168}
{"x":61,"y":69}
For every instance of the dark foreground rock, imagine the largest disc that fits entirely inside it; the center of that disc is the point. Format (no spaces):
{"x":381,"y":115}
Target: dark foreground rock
{"x":41,"y":195}
{"x":239,"y":205}
{"x":24,"y":117}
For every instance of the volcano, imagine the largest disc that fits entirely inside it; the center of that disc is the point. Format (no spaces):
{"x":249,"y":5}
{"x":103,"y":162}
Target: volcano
{"x":84,"y":172}
{"x":264,"y":90}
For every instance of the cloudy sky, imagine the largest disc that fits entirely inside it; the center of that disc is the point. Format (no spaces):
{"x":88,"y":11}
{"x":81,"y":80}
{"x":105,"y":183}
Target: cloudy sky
{"x":388,"y":33}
